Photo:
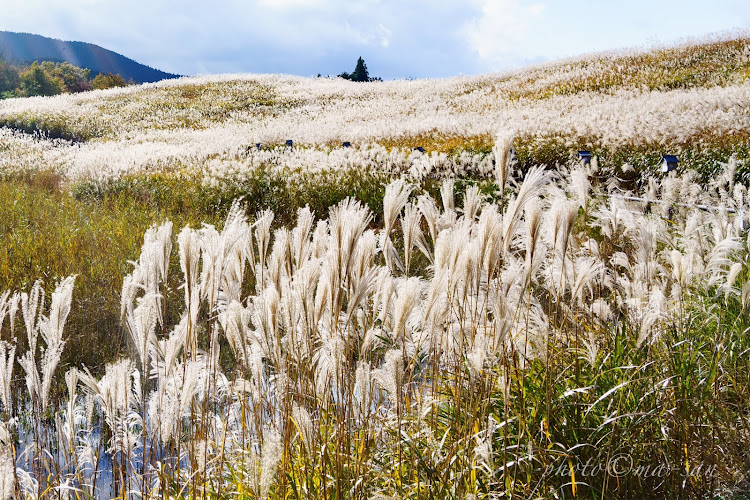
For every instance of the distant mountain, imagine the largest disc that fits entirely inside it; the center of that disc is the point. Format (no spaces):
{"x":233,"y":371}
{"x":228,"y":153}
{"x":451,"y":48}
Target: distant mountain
{"x":23,"y":48}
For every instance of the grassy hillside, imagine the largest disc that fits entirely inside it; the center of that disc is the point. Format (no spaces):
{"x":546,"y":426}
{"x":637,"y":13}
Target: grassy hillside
{"x":690,"y":100}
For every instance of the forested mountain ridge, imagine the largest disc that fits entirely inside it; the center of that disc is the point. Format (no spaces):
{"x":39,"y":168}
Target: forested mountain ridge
{"x":23,"y":48}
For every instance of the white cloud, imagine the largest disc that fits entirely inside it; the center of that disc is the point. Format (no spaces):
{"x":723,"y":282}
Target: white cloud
{"x":292,"y":4}
{"x":384,"y":35}
{"x":374,"y":36}
{"x":502,"y":25}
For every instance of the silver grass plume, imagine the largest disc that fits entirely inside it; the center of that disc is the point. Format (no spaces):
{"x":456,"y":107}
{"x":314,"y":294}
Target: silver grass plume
{"x":51,"y":329}
{"x":656,"y":311}
{"x":7,"y":465}
{"x":141,"y":324}
{"x":681,"y":269}
{"x":395,"y":198}
{"x":212,"y":262}
{"x":166,"y":352}
{"x":27,"y":484}
{"x":501,"y":154}
{"x":262,"y":227}
{"x":361,"y":293}
{"x":280,"y":260}
{"x":223,"y":257}
{"x":189,"y":249}
{"x":265,"y":316}
{"x":7,"y":359}
{"x":720,"y":260}
{"x":114,"y":393}
{"x":30,"y":308}
{"x":564,"y":213}
{"x":413,"y":235}
{"x":301,"y":244}
{"x":33,"y":382}
{"x":67,"y":428}
{"x":490,"y":238}
{"x":446,"y":195}
{"x":587,"y":270}
{"x":271,"y":455}
{"x":328,"y":365}
{"x":237,"y":244}
{"x":435,"y":308}
{"x":13,"y":309}
{"x":320,"y":239}
{"x":391,"y":376}
{"x":728,"y":286}
{"x":472,"y":202}
{"x":364,"y":257}
{"x":580,"y":186}
{"x":406,"y":299}
{"x":304,"y":283}
{"x":347,"y":223}
{"x":430,"y":212}
{"x":363,"y":391}
{"x":477,"y":355}
{"x":533,"y":229}
{"x":5,"y":305}
{"x":614,"y":220}
{"x":235,"y":322}
{"x":151,"y":269}
{"x":303,"y":422}
{"x":323,"y":294}
{"x":532,"y":187}
{"x":170,"y":403}
{"x":383,"y":299}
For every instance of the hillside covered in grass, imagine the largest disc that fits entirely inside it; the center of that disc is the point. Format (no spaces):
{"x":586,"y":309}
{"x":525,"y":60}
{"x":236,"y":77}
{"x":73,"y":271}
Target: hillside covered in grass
{"x":629,"y":107}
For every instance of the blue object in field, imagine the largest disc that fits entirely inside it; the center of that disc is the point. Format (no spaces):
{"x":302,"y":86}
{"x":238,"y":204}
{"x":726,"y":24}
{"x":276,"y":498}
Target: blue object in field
{"x":346,"y":144}
{"x":420,"y":149}
{"x":669,"y":163}
{"x":290,"y":144}
{"x":585,"y":157}
{"x":258,"y":145}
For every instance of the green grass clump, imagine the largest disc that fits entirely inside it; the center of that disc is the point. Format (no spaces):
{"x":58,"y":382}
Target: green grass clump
{"x":92,"y":230}
{"x":48,"y":234}
{"x":55,"y":126}
{"x":707,"y":157}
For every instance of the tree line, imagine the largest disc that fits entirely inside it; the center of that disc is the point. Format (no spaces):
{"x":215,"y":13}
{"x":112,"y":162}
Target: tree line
{"x":360,"y":73}
{"x":48,"y":78}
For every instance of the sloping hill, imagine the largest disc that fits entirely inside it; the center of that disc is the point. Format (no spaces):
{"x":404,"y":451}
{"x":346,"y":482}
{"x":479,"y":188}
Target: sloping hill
{"x":26,"y":47}
{"x":627,"y":109}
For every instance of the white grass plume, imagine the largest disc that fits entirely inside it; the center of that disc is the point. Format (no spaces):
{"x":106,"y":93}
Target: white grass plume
{"x":7,"y":465}
{"x":51,"y":328}
{"x":533,"y":185}
{"x":472,"y":202}
{"x":501,"y":154}
{"x":7,"y":360}
{"x":189,"y":249}
{"x":30,"y":309}
{"x":390,"y":376}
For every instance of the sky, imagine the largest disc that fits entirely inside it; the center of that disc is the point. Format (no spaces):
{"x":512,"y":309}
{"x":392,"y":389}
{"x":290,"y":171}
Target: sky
{"x":396,"y":38}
